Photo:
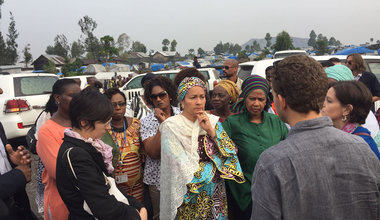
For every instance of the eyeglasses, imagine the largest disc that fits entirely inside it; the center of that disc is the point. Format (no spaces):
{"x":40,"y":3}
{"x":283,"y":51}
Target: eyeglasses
{"x":349,"y":62}
{"x":121,"y":104}
{"x":161,"y":95}
{"x":227,"y":67}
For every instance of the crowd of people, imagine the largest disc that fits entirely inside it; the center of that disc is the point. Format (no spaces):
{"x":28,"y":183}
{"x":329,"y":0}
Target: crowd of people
{"x":298,"y":144}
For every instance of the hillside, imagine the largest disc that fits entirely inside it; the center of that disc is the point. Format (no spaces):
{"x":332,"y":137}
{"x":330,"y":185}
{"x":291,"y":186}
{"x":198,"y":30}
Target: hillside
{"x":297,"y":42}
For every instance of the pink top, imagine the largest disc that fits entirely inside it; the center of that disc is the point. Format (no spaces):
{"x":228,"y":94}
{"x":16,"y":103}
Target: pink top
{"x":49,"y":141}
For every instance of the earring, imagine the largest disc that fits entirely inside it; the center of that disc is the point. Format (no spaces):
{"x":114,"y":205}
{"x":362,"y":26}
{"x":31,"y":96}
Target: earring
{"x":344,"y":118}
{"x":57,"y":103}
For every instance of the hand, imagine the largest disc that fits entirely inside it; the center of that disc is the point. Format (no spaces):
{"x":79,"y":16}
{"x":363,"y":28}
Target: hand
{"x":26,"y":170}
{"x":19,"y":157}
{"x":143,"y":214}
{"x":204,"y":122}
{"x":159,"y":114}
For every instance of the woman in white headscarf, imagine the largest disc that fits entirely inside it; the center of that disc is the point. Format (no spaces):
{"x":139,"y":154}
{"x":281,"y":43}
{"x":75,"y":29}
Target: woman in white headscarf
{"x":196,"y":157}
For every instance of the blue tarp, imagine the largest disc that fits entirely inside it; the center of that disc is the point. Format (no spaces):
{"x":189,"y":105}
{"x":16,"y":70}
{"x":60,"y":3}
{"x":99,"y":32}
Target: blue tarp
{"x":59,"y":74}
{"x":38,"y":71}
{"x":157,"y":67}
{"x":349,"y":51}
{"x":269,"y":55}
{"x":81,"y":69}
{"x":232,"y":57}
{"x":108,"y":64}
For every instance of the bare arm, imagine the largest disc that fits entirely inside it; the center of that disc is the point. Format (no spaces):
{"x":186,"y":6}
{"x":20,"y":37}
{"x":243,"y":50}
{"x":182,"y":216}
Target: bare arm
{"x":152,"y":146}
{"x":375,"y":98}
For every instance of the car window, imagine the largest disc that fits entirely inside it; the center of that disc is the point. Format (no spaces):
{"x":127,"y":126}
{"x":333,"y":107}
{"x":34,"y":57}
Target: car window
{"x":216,"y":74}
{"x":172,"y":75}
{"x":135,"y":83}
{"x":374,"y":68}
{"x":245,"y":71}
{"x":205,"y":74}
{"x":33,"y":85}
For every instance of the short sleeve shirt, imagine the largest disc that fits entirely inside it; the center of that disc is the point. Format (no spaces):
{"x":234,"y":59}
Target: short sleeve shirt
{"x":149,"y":128}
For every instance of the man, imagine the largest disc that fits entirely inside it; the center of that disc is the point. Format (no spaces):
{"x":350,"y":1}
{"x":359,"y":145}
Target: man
{"x":230,"y":68}
{"x":196,"y":63}
{"x":318,"y":172}
{"x":356,"y":64}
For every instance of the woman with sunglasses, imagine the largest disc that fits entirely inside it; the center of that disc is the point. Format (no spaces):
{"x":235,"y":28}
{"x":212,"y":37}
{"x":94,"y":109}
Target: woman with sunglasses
{"x":124,"y":138}
{"x":159,"y":92}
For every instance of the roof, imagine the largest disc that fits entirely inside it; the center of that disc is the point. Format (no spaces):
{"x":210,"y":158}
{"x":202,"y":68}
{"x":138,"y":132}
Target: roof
{"x":168,"y":53}
{"x":137,"y":55}
{"x":57,"y":60}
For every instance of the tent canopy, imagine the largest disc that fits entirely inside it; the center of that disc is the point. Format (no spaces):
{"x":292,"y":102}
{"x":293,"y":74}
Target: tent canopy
{"x":349,"y":51}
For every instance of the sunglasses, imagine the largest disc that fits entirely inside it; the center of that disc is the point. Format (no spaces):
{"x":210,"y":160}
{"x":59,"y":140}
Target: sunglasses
{"x":161,"y":95}
{"x":349,"y":62}
{"x":121,"y":104}
{"x":227,"y":67}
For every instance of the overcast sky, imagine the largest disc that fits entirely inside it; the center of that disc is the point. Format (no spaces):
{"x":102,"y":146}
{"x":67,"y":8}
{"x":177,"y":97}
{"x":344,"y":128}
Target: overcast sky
{"x":195,"y":23}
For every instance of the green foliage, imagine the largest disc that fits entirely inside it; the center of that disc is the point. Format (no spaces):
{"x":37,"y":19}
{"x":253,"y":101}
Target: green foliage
{"x":255,"y":46}
{"x":332,"y":41}
{"x":165,"y":44}
{"x":27,"y":55}
{"x":137,"y":46}
{"x":231,"y":48}
{"x":50,"y":68}
{"x":70,"y":69}
{"x":173,"y":45}
{"x":91,"y":42}
{"x":11,"y":50}
{"x":312,"y":40}
{"x":268,"y":38}
{"x":165,"y":48}
{"x":191,"y":52}
{"x":201,"y":52}
{"x":283,"y":42}
{"x":321,"y":47}
{"x":60,"y":48}
{"x":1,"y":2}
{"x":108,"y":46}
{"x":77,"y":49}
{"x":242,"y":55}
{"x":3,"y":52}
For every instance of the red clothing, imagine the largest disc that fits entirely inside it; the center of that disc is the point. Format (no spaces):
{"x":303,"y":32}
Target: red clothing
{"x":49,"y":141}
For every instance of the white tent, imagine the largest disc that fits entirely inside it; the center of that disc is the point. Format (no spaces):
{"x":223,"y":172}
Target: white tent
{"x":120,"y":68}
{"x":94,"y":69}
{"x":108,"y":75}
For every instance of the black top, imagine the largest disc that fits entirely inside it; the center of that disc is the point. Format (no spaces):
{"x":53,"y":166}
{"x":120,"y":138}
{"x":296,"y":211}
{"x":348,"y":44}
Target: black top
{"x":89,"y":167}
{"x":370,"y":80}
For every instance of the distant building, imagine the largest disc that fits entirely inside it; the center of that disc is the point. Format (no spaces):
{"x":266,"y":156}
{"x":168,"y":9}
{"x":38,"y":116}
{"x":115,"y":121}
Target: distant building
{"x":137,"y":57}
{"x":167,"y":56}
{"x":10,"y":69}
{"x":44,"y":60}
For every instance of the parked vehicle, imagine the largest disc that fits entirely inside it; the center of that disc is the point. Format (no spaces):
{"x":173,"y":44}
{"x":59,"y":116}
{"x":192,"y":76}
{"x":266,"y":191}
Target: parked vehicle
{"x":286,"y":53}
{"x":82,"y":78}
{"x":24,"y":97}
{"x":254,"y":67}
{"x":133,"y":87}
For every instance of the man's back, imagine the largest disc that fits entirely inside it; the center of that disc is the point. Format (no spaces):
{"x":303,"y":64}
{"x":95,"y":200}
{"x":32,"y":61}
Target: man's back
{"x":318,"y":172}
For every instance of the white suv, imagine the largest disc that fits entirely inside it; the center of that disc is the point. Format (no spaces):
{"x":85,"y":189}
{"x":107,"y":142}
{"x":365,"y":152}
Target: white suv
{"x":24,"y":97}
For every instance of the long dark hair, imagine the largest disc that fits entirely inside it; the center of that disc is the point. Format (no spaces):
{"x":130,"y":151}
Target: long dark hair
{"x":58,"y":89}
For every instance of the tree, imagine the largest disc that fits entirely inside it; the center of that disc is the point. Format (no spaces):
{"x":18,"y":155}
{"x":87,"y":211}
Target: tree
{"x":201,"y":52}
{"x":234,"y":49}
{"x":123,"y":43}
{"x":77,"y":49}
{"x":332,"y":41}
{"x":256,"y":46}
{"x":60,"y":48}
{"x":218,"y":49}
{"x":191,"y":51}
{"x":72,"y":69}
{"x":242,"y":55}
{"x":283,"y":42}
{"x":27,"y":55}
{"x":92,"y":45}
{"x":50,"y":67}
{"x":137,"y":46}
{"x":165,"y":44}
{"x":321,"y":47}
{"x":173,"y":45}
{"x":371,"y":40}
{"x":108,"y":48}
{"x":1,"y":2}
{"x":268,"y":38}
{"x":312,"y":40}
{"x":12,"y":45}
{"x":3,"y":52}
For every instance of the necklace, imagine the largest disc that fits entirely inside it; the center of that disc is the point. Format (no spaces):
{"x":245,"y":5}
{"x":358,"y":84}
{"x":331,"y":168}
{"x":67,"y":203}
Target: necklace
{"x":117,"y":144}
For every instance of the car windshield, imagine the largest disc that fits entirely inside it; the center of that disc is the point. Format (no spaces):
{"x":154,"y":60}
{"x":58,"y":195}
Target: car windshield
{"x":135,"y":83}
{"x":245,"y":71}
{"x":205,"y":74}
{"x":33,"y":85}
{"x":375,"y":69}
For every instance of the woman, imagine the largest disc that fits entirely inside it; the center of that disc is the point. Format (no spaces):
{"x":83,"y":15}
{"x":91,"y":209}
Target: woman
{"x":225,"y":94}
{"x":253,"y":130}
{"x":347,"y":103}
{"x":81,"y":170}
{"x":49,"y":139}
{"x":160,"y":93}
{"x":200,"y":156}
{"x":124,"y":138}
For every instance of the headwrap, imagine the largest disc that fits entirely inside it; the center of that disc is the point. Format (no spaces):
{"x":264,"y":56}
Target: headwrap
{"x":186,"y":84}
{"x":339,"y":73}
{"x":251,"y":83}
{"x":231,"y":88}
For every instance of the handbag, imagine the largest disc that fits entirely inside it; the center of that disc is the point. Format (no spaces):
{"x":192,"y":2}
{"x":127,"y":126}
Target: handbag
{"x":113,"y":190}
{"x":30,"y":137}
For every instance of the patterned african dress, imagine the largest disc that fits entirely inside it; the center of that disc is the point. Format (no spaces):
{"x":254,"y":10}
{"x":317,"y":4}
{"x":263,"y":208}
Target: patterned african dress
{"x":130,"y":151}
{"x":206,"y":195}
